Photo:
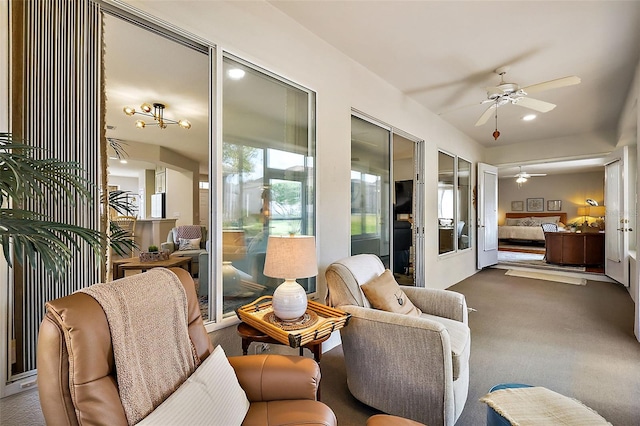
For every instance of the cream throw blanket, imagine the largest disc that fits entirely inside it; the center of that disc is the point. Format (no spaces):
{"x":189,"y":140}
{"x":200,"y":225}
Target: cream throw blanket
{"x":537,"y":406}
{"x":148,"y":320}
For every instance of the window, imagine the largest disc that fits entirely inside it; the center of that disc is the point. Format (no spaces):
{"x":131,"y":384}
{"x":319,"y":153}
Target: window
{"x":268,"y":156}
{"x":454,"y":206}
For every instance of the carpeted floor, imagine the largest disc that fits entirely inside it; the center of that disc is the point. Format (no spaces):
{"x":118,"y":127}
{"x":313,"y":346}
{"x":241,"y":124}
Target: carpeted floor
{"x":575,"y":340}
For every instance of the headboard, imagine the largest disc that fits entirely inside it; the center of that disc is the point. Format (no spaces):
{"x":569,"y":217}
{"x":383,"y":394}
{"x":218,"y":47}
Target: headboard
{"x":563,"y":215}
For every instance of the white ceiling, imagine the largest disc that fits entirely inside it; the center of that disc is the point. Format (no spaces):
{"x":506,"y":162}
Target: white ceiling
{"x":440,"y":53}
{"x":443,"y":54}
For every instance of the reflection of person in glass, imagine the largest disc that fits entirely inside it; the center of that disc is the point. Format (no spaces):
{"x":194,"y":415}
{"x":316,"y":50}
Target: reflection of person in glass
{"x":257,"y":249}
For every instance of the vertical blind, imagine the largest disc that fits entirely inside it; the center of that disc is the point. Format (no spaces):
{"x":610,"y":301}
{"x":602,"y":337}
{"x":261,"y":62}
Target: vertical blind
{"x":56,"y":84}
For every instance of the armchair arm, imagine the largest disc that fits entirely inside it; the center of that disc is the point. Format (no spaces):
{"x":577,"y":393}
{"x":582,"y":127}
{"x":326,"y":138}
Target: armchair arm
{"x":442,"y":303}
{"x":262,"y":377}
{"x":399,"y":363}
{"x":170,"y":247}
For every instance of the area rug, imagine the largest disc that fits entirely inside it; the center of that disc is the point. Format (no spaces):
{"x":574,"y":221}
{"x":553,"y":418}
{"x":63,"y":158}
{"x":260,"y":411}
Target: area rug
{"x":546,"y":277}
{"x":523,"y":248}
{"x":533,"y":260}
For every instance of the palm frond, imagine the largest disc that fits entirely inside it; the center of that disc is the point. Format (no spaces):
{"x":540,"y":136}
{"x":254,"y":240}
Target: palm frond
{"x":52,"y":243}
{"x":119,"y":200}
{"x":25,"y":176}
{"x":120,"y":240}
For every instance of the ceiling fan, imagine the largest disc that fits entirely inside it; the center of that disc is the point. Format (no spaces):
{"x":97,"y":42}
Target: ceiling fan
{"x":522,"y":177}
{"x":505,"y":93}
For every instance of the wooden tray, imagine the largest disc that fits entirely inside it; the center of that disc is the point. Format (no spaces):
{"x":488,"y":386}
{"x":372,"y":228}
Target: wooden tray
{"x":329,"y":320}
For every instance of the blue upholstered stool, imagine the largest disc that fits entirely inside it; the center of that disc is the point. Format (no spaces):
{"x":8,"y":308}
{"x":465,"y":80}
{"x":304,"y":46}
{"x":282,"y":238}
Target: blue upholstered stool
{"x":495,"y":419}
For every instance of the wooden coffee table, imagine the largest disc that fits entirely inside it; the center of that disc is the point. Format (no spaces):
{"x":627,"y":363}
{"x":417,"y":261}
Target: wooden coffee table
{"x":122,"y":265}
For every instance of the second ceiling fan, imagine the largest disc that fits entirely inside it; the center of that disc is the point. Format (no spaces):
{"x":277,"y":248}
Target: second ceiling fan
{"x":522,"y":177}
{"x":505,"y":93}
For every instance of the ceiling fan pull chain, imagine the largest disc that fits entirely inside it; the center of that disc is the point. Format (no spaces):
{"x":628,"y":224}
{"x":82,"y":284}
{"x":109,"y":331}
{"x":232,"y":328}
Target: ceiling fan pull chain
{"x":496,"y":133}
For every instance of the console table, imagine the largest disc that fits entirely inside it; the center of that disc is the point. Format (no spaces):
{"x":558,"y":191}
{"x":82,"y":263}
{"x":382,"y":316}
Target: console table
{"x":574,"y":248}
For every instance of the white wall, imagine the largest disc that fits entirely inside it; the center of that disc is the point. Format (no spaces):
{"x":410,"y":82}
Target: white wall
{"x":179,"y":197}
{"x":261,"y":34}
{"x":403,"y":169}
{"x":571,"y":188}
{"x":588,"y":145}
{"x":125,"y":183}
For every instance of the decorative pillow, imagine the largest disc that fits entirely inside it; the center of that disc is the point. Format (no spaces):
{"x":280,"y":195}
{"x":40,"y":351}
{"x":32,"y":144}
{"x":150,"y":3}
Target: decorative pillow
{"x":384,"y":293}
{"x":527,"y":221}
{"x":189,"y":244}
{"x":211,"y":395}
{"x":510,"y":221}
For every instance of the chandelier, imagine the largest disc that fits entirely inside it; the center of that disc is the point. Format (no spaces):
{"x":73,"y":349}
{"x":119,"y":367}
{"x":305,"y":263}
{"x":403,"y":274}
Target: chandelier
{"x":157,"y":114}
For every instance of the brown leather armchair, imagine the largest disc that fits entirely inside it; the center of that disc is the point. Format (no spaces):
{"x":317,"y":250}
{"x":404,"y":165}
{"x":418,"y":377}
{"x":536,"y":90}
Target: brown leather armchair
{"x":77,"y":377}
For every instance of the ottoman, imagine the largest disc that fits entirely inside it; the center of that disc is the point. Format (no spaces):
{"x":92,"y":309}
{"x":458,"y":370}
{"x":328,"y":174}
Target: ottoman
{"x":514,"y":403}
{"x":493,"y":418}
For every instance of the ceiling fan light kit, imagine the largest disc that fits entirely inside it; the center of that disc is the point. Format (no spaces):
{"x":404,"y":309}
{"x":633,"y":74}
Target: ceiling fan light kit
{"x":522,"y":177}
{"x":157,"y":115}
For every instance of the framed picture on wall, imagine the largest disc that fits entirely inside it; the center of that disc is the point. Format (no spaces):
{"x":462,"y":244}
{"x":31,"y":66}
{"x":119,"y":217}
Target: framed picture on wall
{"x":535,"y":204}
{"x":554,"y":205}
{"x":517,"y":206}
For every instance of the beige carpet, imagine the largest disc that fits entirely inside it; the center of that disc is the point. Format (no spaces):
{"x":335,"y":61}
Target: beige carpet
{"x":546,"y":277}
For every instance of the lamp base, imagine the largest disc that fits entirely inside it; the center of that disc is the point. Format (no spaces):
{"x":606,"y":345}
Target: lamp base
{"x":230,"y":279}
{"x":289,"y":301}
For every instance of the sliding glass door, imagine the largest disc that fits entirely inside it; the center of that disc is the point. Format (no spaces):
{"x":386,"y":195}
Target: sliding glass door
{"x":386,"y":197}
{"x":370,"y":189}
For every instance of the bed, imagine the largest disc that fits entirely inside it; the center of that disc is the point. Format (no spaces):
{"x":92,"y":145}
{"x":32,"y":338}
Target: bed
{"x":526,"y":226}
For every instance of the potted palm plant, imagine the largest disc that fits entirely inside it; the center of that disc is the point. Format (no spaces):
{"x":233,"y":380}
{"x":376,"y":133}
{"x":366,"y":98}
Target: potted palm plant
{"x":33,"y":235}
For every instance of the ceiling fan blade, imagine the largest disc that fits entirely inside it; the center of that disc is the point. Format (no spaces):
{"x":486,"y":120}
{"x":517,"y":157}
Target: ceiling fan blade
{"x":553,"y":84}
{"x":534,"y":104}
{"x":485,"y":116}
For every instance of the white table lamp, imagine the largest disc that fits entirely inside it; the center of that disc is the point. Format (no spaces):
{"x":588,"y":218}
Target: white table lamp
{"x":290,"y":257}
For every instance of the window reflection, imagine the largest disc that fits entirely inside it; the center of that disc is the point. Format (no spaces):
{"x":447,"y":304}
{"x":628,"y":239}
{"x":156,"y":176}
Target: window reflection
{"x":267,"y":170}
{"x":454,"y":203}
{"x":446,"y":220}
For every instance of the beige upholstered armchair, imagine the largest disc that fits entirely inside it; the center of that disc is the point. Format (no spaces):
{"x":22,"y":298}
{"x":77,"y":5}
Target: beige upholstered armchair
{"x":410,"y":366}
{"x":187,"y":241}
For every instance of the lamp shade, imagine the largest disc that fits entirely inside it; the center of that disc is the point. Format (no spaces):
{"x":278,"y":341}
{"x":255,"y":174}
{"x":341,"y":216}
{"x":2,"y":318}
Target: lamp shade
{"x":291,"y":257}
{"x":597,"y":211}
{"x":583,"y":211}
{"x":233,"y":246}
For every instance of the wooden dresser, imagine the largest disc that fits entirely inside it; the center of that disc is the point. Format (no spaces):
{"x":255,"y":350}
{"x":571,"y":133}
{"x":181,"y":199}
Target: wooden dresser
{"x":574,"y":248}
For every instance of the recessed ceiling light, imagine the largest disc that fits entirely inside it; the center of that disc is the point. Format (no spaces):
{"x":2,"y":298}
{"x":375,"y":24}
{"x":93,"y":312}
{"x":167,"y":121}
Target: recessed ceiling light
{"x":529,"y":117}
{"x":235,"y":73}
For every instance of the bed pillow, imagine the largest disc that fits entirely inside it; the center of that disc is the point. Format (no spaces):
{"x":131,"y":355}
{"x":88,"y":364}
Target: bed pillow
{"x":384,"y":293}
{"x":210,"y":395}
{"x":550,"y":219}
{"x":189,"y":244}
{"x":510,"y":221}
